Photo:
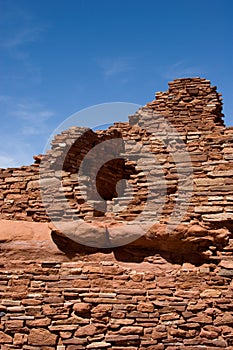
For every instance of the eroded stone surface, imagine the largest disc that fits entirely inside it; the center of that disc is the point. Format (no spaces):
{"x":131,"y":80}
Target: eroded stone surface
{"x":175,"y":305}
{"x":193,"y":107}
{"x":164,"y":291}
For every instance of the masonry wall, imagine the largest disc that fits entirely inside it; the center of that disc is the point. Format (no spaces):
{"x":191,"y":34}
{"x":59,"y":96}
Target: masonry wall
{"x":162,"y":291}
{"x":107,"y":305}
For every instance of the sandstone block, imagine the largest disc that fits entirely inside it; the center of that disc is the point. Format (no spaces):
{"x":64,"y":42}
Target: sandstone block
{"x":201,"y":319}
{"x":211,"y":293}
{"x":19,"y":339}
{"x":41,"y":337}
{"x":87,"y":330}
{"x":121,"y":338}
{"x":98,"y":345}
{"x":40,"y":322}
{"x":227,"y":264}
{"x":131,"y":330}
{"x":169,"y":316}
{"x":81,"y":308}
{"x":226,"y":319}
{"x":5,"y":338}
{"x":145,"y":307}
{"x":158,"y":335}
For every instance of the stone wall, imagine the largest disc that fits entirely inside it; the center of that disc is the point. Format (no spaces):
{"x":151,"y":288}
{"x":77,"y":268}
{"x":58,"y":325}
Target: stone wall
{"x":161,"y":291}
{"x":193,"y":107}
{"x":114,"y":306}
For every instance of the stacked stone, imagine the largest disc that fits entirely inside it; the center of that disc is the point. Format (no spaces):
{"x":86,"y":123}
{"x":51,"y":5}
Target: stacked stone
{"x":193,"y":107}
{"x":105,"y":305}
{"x":20,"y":194}
{"x":95,"y":301}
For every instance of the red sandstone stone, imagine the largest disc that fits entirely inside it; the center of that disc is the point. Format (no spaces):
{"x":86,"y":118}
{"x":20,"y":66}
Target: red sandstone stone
{"x":20,"y":339}
{"x":226,"y":319}
{"x":102,"y":309}
{"x":98,"y":345}
{"x":158,"y":335}
{"x":41,"y":337}
{"x":121,"y":338}
{"x":86,"y":331}
{"x":81,"y":308}
{"x":208,"y":334}
{"x":14,"y":324}
{"x":131,"y":330}
{"x":153,"y":294}
{"x":145,"y":307}
{"x":81,"y":284}
{"x":211,"y":293}
{"x":31,"y":302}
{"x":40,"y":322}
{"x":5,"y":338}
{"x":226,"y":264}
{"x":169,"y":316}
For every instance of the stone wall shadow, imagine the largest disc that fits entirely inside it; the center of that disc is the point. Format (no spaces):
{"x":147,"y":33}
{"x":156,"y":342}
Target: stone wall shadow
{"x":176,"y":252}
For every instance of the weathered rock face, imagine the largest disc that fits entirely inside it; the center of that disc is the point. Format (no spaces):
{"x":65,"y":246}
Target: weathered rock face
{"x":166,"y":289}
{"x":193,"y":108}
{"x":108,"y":305}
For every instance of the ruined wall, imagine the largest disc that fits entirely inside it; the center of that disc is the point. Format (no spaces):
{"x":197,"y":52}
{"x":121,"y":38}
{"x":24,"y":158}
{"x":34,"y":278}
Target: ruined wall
{"x":154,"y":305}
{"x":193,"y":107}
{"x":162,"y":291}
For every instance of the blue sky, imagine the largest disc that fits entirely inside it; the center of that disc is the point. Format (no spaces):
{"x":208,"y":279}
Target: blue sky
{"x":60,"y":56}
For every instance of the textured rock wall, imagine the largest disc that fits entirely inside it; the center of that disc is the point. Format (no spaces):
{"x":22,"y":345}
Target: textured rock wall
{"x":20,"y":195}
{"x":114,"y":306}
{"x":193,"y":107}
{"x":162,"y":291}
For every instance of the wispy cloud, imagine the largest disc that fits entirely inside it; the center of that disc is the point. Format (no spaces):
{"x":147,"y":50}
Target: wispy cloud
{"x":22,"y":37}
{"x":31,"y":111}
{"x":15,"y":154}
{"x":26,"y":30}
{"x":24,"y":121}
{"x":181,"y":69}
{"x":5,"y":160}
{"x":4,"y":99}
{"x":25,"y":125}
{"x":115,"y":66}
{"x":16,"y":41}
{"x":32,"y":116}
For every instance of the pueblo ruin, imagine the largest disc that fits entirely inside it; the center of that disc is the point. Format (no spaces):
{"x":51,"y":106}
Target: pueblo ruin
{"x":104,"y":281}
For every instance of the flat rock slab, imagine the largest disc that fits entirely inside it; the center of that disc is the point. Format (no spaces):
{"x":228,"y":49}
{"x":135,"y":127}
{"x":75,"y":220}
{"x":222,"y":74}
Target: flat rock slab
{"x":26,"y":240}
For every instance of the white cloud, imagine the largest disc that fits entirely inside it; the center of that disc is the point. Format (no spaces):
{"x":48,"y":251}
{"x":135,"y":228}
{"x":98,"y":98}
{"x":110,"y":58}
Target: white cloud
{"x":22,"y":37}
{"x":115,"y":66}
{"x":4,"y":99}
{"x":5,"y":161}
{"x":16,"y":41}
{"x":180,"y":69}
{"x":26,"y":29}
{"x":25,"y":125}
{"x":26,"y":110}
{"x":15,"y":152}
{"x":31,"y":112}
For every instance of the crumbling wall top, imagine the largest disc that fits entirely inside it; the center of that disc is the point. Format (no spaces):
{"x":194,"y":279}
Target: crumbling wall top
{"x":191,"y":104}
